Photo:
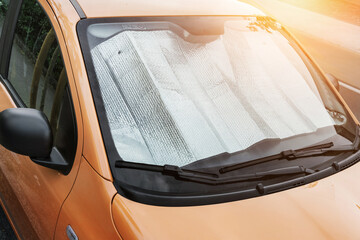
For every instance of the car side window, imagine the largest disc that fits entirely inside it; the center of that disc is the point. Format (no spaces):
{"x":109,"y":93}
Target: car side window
{"x":38,"y":75}
{"x":4,"y":5}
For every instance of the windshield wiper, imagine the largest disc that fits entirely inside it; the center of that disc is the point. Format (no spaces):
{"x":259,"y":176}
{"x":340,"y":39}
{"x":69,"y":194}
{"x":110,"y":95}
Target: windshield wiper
{"x":211,"y":178}
{"x":291,"y":154}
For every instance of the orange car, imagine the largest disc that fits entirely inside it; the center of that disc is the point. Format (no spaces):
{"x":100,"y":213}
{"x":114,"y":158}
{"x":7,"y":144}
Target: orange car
{"x":169,"y":120}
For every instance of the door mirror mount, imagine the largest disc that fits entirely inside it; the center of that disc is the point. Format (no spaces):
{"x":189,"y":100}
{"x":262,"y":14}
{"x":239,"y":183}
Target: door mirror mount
{"x":54,"y":161}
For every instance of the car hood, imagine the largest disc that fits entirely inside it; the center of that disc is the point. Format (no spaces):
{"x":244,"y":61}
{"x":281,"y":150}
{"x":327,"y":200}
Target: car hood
{"x":325,"y":209}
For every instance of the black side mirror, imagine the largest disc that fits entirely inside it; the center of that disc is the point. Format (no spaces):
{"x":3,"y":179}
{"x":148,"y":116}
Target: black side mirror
{"x":333,"y":80}
{"x":27,"y":131}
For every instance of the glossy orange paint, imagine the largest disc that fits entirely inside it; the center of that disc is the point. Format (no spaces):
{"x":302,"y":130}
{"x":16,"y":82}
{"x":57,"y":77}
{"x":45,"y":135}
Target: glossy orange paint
{"x":87,"y":200}
{"x":93,"y":144}
{"x":88,"y":208}
{"x":31,"y":194}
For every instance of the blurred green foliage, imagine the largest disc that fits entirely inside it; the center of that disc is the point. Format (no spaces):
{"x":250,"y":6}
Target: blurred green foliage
{"x":4,"y":4}
{"x":32,"y":26}
{"x":31,"y":29}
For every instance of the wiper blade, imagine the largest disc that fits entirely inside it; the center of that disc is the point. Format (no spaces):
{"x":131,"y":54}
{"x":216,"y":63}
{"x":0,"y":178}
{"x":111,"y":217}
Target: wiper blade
{"x":291,"y":155}
{"x":171,"y":170}
{"x":211,"y":178}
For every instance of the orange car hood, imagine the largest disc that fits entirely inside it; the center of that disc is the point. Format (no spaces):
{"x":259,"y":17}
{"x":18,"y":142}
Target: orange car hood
{"x":326,"y":209}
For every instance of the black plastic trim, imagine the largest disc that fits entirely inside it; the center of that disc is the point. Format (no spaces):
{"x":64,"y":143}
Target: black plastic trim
{"x":14,"y":95}
{"x":161,"y":199}
{"x":78,"y":9}
{"x":7,"y":36}
{"x":26,"y":131}
{"x":55,"y":161}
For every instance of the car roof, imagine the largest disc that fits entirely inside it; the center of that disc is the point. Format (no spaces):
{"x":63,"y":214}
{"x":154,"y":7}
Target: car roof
{"x":122,"y":8}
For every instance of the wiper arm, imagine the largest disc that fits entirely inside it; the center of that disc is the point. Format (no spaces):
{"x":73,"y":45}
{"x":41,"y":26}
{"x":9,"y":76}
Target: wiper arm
{"x":170,"y":170}
{"x":211,"y":178}
{"x":291,"y":154}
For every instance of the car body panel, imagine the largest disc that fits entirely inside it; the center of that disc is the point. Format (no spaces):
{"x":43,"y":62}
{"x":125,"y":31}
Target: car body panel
{"x":325,"y":209}
{"x":32,"y":193}
{"x":88,"y":208}
{"x":93,"y":145}
{"x":9,"y":199}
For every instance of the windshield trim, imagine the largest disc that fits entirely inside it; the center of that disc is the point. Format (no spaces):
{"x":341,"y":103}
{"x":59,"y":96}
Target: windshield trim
{"x":151,"y":197}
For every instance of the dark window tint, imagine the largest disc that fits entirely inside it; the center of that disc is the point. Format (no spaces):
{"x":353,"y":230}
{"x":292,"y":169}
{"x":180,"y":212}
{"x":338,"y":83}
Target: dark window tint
{"x":4,"y":5}
{"x":38,"y":74}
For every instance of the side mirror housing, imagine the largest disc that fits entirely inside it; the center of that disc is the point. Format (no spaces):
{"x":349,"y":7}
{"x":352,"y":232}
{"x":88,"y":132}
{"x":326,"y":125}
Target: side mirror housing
{"x":26,"y":131}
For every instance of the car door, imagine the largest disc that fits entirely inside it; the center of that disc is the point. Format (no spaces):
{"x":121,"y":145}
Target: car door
{"x":35,"y":72}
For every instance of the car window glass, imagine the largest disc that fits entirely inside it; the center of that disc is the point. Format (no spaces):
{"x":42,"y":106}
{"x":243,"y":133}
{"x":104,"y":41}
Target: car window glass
{"x":38,"y":75}
{"x":4,"y":5}
{"x":174,"y":96}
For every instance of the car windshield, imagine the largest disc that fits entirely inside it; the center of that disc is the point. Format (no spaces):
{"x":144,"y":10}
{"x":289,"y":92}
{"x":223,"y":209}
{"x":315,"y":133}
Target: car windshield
{"x":176,"y":92}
